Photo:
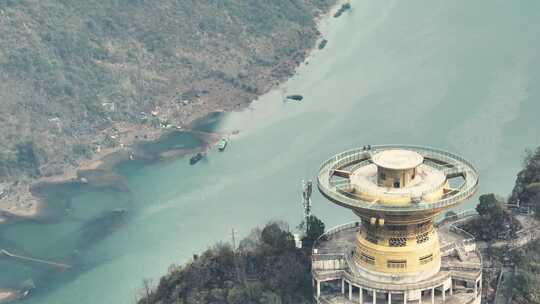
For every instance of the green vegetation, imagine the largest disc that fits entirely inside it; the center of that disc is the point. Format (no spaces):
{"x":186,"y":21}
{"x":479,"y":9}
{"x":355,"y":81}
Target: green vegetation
{"x":266,"y":268}
{"x":315,"y":228}
{"x":494,"y":221}
{"x":71,"y":70}
{"x":527,"y":188}
{"x":521,"y":266}
{"x":523,"y":285}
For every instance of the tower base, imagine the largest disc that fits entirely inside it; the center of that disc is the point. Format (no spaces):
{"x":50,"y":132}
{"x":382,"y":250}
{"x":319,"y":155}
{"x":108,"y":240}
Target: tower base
{"x":338,"y":279}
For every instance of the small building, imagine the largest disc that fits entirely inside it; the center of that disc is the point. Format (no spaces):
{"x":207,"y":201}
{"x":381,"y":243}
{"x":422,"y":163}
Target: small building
{"x":4,"y":190}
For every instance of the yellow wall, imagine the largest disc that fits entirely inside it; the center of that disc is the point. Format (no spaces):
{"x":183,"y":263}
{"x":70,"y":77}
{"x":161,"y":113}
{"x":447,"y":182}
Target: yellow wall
{"x":411,"y":253}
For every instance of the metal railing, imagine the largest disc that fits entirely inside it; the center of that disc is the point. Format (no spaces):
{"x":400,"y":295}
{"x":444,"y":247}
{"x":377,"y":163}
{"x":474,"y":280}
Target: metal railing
{"x":470,"y":238}
{"x":361,"y":281}
{"x":327,"y":256}
{"x":467,"y":189}
{"x":456,"y":217}
{"x":332,"y":231}
{"x":461,"y":271}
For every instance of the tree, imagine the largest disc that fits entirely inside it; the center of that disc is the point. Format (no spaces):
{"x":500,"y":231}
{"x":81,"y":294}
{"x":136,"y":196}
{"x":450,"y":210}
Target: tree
{"x":147,"y":289}
{"x":524,"y":287}
{"x":269,"y":297}
{"x":490,"y":206}
{"x":27,"y":157}
{"x":526,"y":191}
{"x":315,"y":228}
{"x":249,"y":293}
{"x":492,"y":219}
{"x":277,"y":238}
{"x":273,"y":270}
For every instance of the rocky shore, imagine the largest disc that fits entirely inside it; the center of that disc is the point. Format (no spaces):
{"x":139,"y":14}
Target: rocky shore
{"x":7,"y":295}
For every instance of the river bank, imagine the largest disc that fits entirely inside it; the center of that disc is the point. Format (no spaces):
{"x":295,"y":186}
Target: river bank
{"x":21,"y":202}
{"x":24,"y":203}
{"x":7,"y":295}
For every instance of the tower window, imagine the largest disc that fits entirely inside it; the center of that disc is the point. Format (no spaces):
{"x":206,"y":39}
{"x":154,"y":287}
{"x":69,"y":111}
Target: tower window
{"x":382,"y":175}
{"x":422,"y":238}
{"x":426,"y":259}
{"x":367,"y":258}
{"x":396,"y":184}
{"x":397,"y":242}
{"x":397,"y":264}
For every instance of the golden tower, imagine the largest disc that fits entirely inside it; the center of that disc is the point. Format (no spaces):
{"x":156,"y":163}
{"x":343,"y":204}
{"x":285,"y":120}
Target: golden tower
{"x":394,"y":249}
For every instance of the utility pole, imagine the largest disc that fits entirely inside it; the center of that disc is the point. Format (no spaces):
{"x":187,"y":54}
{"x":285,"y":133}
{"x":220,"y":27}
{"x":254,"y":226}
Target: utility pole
{"x":235,"y":258}
{"x":233,"y":240}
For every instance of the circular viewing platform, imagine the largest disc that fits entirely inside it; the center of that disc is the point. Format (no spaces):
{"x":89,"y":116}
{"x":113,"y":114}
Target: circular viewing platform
{"x":397,"y":179}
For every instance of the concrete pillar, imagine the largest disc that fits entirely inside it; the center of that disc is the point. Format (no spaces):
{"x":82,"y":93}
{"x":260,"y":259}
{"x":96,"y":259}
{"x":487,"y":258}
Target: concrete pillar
{"x":318,"y":289}
{"x":475,"y":289}
{"x":350,"y":291}
{"x":420,"y":302}
{"x":432,"y":295}
{"x":374,"y":297}
{"x":361,"y":295}
{"x":342,"y":286}
{"x":443,"y":294}
{"x":452,"y":289}
{"x":404,"y":297}
{"x":389,"y":298}
{"x":480,"y":286}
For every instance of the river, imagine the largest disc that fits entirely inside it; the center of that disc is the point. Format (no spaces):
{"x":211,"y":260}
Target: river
{"x":456,"y":75}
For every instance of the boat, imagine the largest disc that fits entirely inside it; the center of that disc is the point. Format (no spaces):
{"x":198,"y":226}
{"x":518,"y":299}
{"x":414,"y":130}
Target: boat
{"x":345,"y":7}
{"x":222,"y":144}
{"x":323,"y":44}
{"x":295,"y":97}
{"x":196,"y":158}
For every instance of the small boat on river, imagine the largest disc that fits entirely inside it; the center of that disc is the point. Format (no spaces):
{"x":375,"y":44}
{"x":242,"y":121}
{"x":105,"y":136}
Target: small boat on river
{"x":222,"y":144}
{"x":295,"y":97}
{"x":196,"y":158}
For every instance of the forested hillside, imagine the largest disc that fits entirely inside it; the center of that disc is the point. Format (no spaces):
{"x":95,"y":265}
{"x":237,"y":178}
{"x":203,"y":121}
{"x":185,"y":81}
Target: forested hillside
{"x":266,"y":268}
{"x":527,"y":188}
{"x":70,"y":71}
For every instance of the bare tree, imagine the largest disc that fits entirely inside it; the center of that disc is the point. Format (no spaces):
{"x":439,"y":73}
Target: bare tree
{"x":147,"y":289}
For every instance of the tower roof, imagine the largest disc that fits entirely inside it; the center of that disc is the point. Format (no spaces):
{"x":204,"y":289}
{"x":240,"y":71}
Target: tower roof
{"x":398,"y":159}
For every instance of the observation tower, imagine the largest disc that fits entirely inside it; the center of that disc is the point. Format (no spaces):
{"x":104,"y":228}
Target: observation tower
{"x":397,"y":252}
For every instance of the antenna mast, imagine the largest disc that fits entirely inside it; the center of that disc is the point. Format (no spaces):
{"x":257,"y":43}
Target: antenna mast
{"x":307,"y":189}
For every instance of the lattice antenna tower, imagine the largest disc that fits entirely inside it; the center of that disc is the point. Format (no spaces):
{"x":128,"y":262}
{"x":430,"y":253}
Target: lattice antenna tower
{"x":307,"y":190}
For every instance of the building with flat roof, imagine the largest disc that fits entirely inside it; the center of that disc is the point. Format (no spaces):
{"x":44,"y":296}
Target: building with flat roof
{"x":395,"y":252}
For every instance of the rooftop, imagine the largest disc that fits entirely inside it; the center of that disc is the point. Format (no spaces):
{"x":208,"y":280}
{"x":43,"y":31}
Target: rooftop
{"x":398,"y":159}
{"x":426,"y":181}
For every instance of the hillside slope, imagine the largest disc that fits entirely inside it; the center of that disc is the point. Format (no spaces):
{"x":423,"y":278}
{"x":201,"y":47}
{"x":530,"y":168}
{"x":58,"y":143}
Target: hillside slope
{"x":71,"y":71}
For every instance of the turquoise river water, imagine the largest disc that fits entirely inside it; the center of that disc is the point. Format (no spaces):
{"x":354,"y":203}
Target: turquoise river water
{"x":457,"y":75}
